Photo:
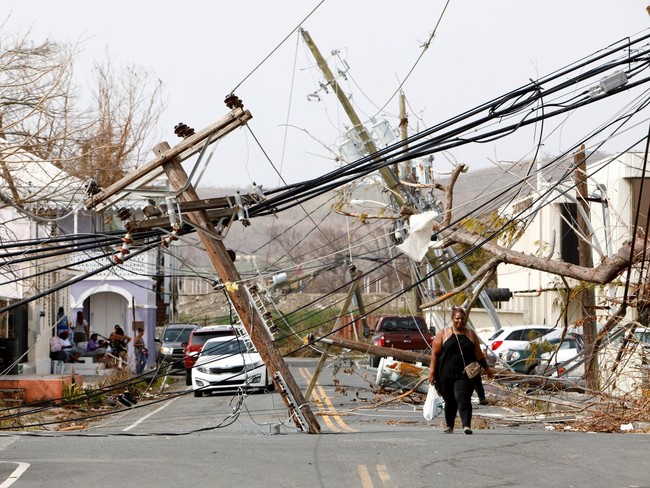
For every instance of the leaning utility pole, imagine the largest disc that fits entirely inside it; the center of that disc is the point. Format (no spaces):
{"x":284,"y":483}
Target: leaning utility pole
{"x":392,"y":182}
{"x":170,"y":160}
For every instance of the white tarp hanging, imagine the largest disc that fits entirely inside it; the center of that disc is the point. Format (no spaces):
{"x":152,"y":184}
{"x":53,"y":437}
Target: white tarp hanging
{"x":420,"y":228}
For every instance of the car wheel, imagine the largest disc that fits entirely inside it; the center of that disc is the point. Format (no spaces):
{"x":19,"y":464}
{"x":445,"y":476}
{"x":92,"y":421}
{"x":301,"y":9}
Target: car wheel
{"x":373,"y":360}
{"x":188,"y":376}
{"x":198,"y":393}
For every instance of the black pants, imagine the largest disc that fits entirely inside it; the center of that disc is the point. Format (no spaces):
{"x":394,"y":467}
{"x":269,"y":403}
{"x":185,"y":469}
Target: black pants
{"x":478,"y":386}
{"x":458,"y":398}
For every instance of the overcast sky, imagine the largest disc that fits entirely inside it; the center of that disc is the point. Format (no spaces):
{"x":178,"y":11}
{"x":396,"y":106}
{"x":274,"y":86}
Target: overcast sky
{"x":202,"y":50}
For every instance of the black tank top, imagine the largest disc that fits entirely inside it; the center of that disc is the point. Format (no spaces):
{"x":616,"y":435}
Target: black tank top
{"x":450,"y":365}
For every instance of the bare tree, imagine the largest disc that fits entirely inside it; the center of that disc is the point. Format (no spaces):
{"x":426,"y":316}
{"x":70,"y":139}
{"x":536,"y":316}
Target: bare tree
{"x":42,"y":114}
{"x":127,"y":106}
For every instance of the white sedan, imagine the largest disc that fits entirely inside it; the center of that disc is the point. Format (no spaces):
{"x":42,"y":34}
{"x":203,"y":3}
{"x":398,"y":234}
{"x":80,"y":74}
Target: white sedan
{"x":226,"y":364}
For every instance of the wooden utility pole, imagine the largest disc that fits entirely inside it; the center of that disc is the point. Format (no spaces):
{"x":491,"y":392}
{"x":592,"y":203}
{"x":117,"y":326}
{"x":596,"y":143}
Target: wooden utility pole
{"x":391,"y":180}
{"x":415,"y":268}
{"x":397,"y":191}
{"x":170,"y":159}
{"x":585,"y":258}
{"x":239,"y":297}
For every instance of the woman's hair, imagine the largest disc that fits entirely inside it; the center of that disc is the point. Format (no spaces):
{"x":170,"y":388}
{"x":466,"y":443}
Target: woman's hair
{"x":80,"y":317}
{"x":456,"y":309}
{"x":119,"y":330}
{"x":94,"y":336}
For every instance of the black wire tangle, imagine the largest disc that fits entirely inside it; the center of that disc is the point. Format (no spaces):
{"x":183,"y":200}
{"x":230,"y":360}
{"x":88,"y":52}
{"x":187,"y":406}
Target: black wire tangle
{"x":443,"y":136}
{"x":446,"y":135}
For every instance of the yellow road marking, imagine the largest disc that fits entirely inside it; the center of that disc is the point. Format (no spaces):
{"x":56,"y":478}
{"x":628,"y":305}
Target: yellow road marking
{"x":366,"y":479}
{"x":384,"y":476}
{"x":364,"y":474}
{"x":319,"y":393}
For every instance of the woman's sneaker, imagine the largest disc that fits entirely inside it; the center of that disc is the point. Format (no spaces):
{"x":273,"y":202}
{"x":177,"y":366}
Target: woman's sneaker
{"x":448,"y":430}
{"x":467,"y":431}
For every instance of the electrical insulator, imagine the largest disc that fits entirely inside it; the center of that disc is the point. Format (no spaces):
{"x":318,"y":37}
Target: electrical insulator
{"x":167,"y":240}
{"x":123,"y":213}
{"x":232,"y":101}
{"x":169,"y":201}
{"x":241,"y":211}
{"x":258,"y":191}
{"x":183,"y":130}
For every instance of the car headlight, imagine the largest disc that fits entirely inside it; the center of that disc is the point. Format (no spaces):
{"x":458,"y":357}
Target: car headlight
{"x":203,"y":370}
{"x":514,"y":355}
{"x":166,"y":350}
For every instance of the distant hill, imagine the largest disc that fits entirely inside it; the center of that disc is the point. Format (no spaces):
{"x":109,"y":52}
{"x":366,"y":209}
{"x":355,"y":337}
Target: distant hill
{"x":481,"y":191}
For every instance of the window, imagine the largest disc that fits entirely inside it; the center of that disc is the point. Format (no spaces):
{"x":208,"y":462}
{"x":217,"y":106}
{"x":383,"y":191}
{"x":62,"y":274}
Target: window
{"x":643,"y":205}
{"x":568,"y":237}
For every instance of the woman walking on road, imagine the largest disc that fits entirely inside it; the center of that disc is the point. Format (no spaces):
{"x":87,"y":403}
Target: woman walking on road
{"x":453,"y":349}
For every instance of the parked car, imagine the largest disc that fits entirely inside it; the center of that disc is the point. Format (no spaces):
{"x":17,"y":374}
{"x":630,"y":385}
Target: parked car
{"x":401,"y":332}
{"x":225,"y":364}
{"x":508,"y":337}
{"x":554,"y":363}
{"x":195,"y":343}
{"x":526,"y":358}
{"x":172,"y":345}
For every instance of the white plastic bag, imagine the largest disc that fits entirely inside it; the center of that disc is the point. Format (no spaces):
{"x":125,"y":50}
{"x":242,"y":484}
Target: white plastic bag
{"x":433,"y":405}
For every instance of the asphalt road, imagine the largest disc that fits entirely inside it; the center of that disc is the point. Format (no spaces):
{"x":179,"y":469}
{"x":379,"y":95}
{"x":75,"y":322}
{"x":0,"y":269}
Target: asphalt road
{"x":217,"y":441}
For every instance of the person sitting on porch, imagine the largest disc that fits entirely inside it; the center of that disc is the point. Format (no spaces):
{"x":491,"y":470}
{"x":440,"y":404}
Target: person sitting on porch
{"x":62,"y":350}
{"x":95,"y":349}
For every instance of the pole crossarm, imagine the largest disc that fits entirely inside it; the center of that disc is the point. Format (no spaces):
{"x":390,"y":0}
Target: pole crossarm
{"x":216,"y":209}
{"x":189,"y":146}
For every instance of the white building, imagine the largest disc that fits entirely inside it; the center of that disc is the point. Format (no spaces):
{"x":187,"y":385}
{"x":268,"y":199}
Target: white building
{"x":40,"y":206}
{"x":549,"y":214}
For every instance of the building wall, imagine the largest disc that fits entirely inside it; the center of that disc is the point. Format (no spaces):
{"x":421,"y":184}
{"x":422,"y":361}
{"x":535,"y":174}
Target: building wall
{"x":542,"y":294}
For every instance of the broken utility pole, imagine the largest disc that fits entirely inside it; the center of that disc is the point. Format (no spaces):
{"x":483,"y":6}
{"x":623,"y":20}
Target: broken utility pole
{"x":170,"y":159}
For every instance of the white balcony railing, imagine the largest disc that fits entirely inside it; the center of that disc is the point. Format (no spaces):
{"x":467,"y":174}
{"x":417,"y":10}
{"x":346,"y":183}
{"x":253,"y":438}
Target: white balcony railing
{"x":142,"y":265}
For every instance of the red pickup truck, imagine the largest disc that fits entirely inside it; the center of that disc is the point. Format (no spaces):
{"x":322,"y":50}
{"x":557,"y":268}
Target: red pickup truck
{"x":401,"y":332}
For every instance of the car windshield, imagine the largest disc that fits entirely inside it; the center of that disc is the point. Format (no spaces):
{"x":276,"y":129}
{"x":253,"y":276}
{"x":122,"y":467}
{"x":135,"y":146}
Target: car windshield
{"x":403,"y":324}
{"x":569,"y":344}
{"x":643,"y":336}
{"x":224,"y":348}
{"x":178,"y":334}
{"x":200,"y":338}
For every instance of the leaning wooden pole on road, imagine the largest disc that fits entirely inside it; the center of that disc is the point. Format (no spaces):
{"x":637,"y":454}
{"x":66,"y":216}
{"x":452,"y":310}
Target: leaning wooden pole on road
{"x":239,"y":297}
